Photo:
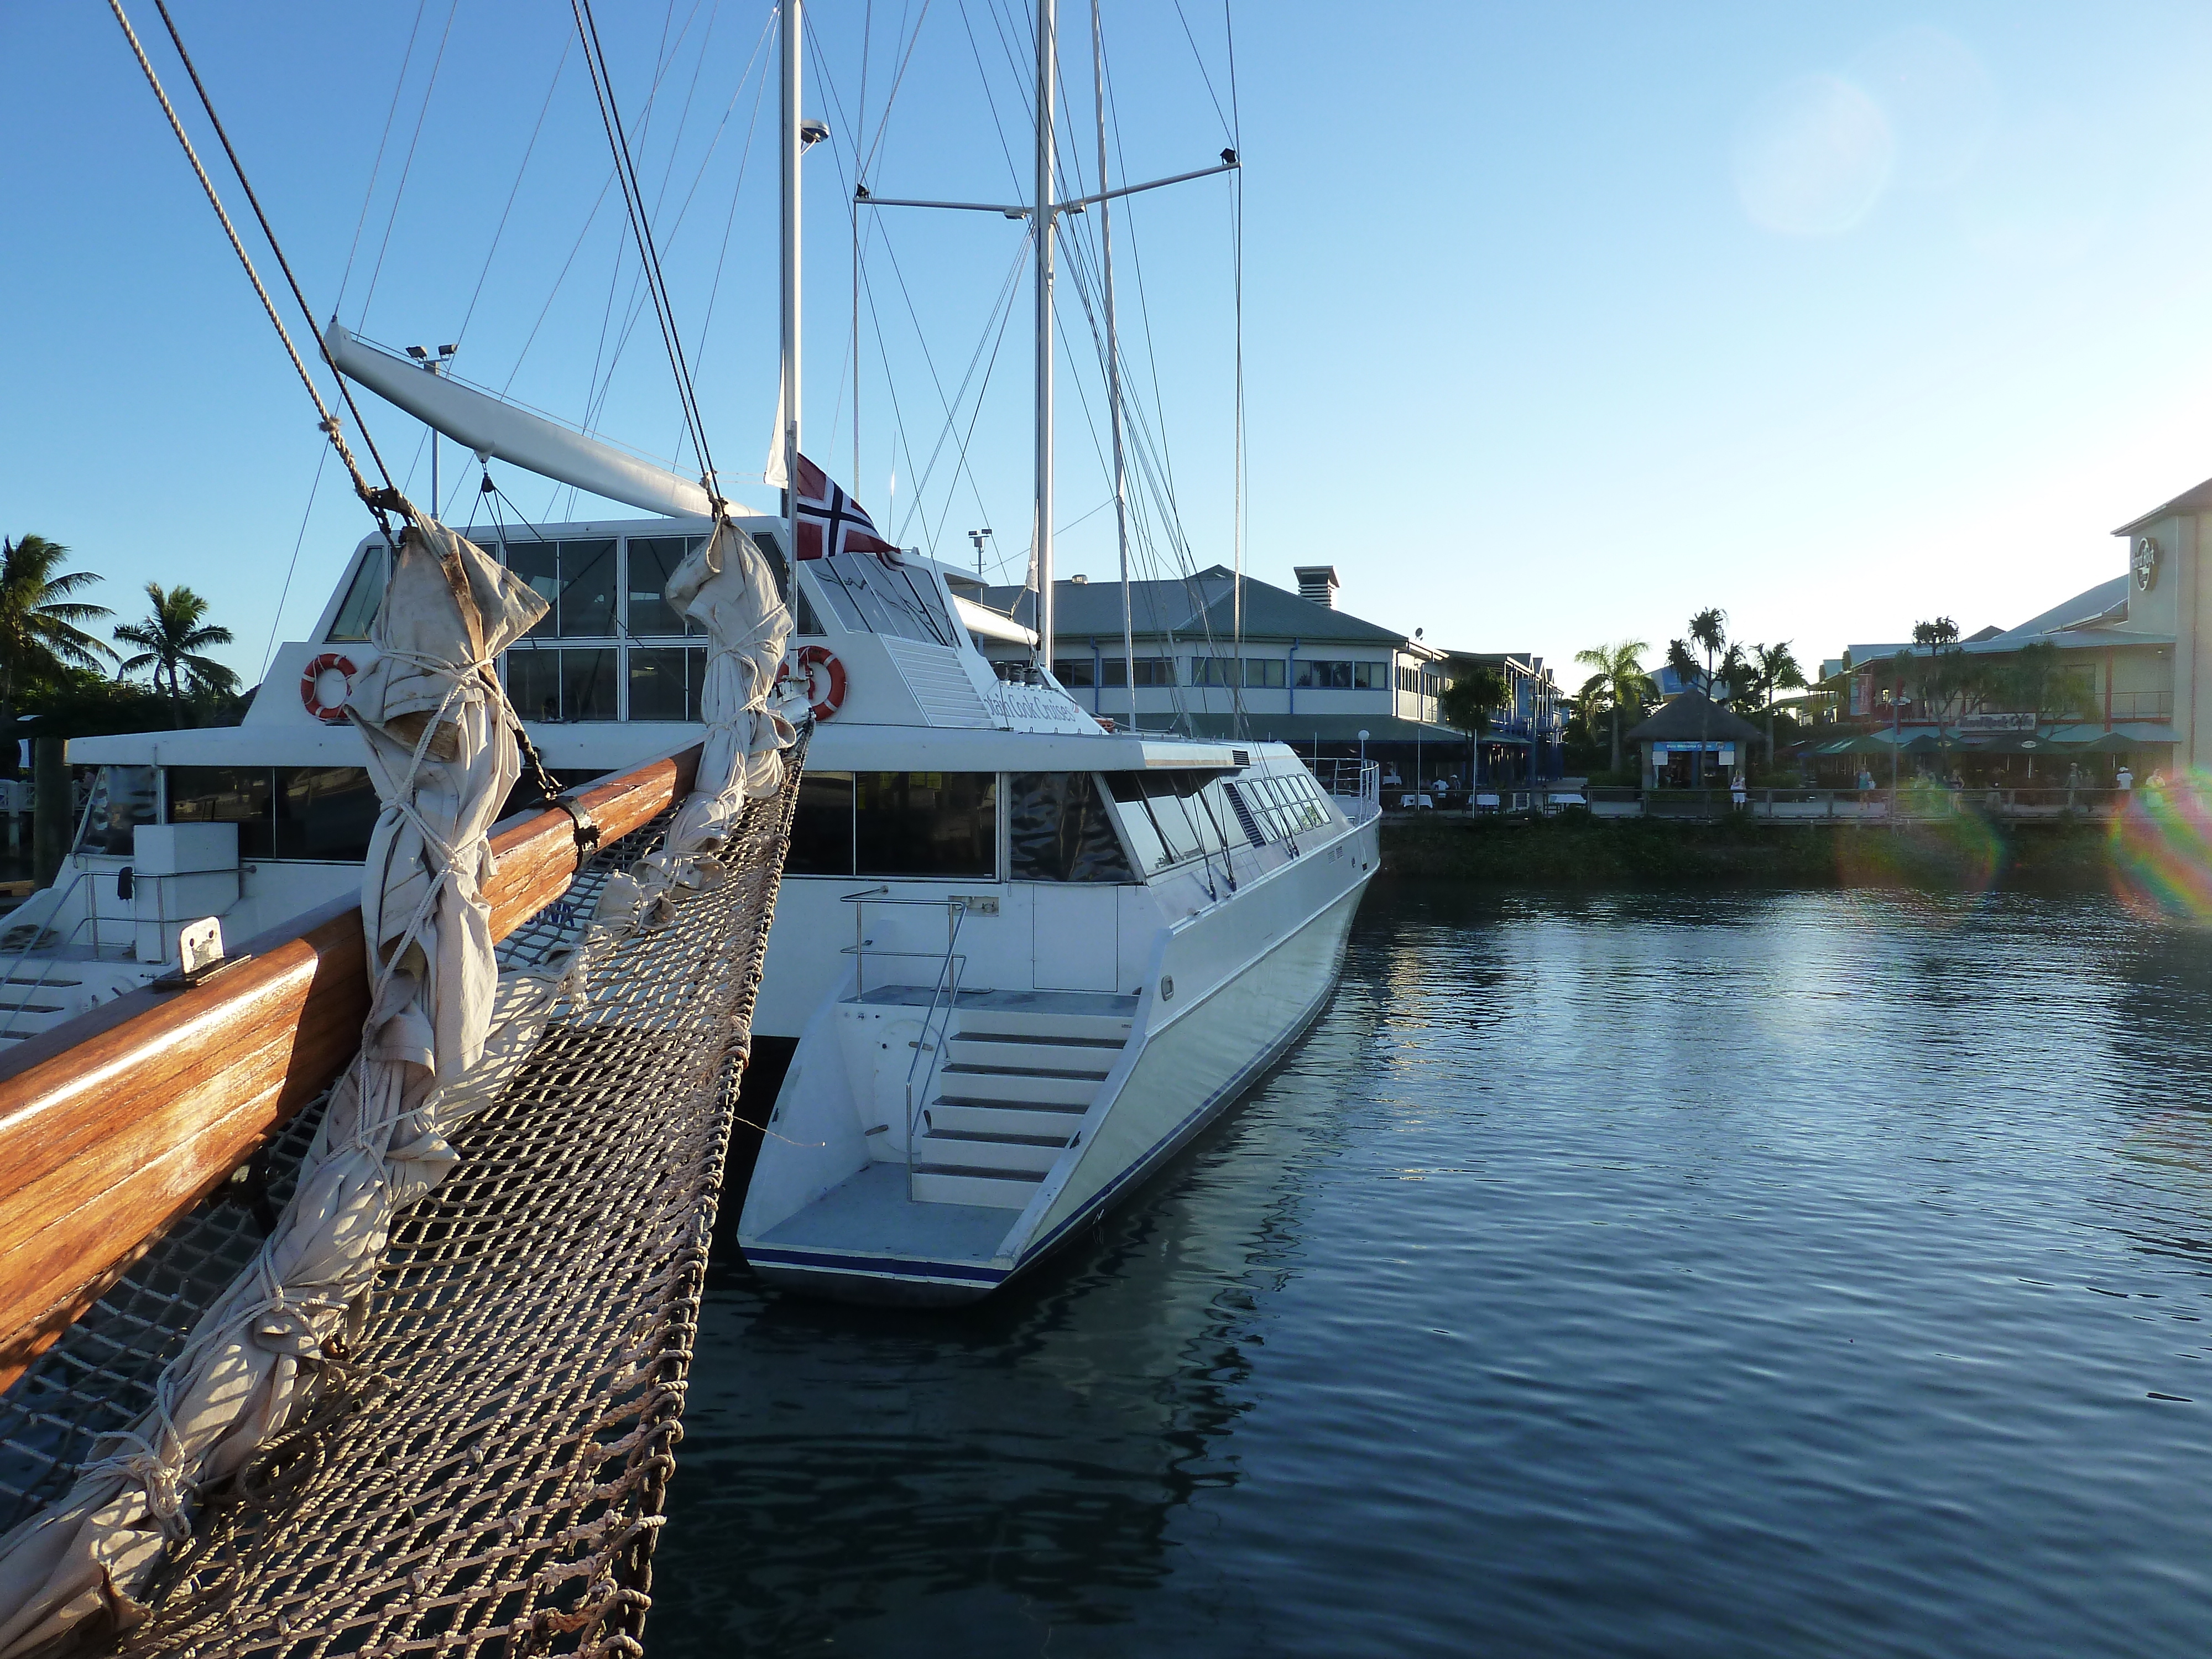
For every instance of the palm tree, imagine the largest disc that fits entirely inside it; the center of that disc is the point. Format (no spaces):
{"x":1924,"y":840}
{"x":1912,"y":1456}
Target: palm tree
{"x":169,"y":641}
{"x":1772,"y":668}
{"x":1619,"y":683}
{"x":38,"y":630}
{"x":1469,"y":702}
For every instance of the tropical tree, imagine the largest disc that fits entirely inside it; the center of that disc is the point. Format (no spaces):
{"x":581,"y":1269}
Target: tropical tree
{"x":170,"y":641}
{"x":1469,"y":701}
{"x":40,"y":631}
{"x":1772,"y":668}
{"x":1620,"y":684}
{"x":2037,"y":682}
{"x":1946,"y":674}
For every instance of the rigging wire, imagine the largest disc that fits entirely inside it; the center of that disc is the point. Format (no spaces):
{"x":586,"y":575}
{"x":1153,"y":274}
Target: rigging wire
{"x":625,"y":170}
{"x":322,"y":461}
{"x":368,"y":196}
{"x":500,"y":229}
{"x":378,"y":502}
{"x":399,"y":190}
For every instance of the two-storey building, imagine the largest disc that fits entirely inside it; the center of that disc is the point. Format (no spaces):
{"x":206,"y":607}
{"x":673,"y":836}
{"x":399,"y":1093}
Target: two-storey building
{"x":1305,"y":673}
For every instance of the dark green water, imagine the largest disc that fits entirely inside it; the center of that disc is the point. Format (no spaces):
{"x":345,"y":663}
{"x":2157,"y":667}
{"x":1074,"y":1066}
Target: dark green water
{"x":1802,"y":1273}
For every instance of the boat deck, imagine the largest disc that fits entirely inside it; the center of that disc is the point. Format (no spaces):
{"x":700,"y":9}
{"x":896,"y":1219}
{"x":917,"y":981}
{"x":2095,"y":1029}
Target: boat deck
{"x":870,"y":1214}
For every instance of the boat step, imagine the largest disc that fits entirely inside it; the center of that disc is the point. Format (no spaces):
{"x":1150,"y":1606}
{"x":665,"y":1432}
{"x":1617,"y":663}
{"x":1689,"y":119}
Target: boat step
{"x":995,"y":1189}
{"x":1030,"y":1155}
{"x":1087,"y":1058}
{"x":959,"y":1116}
{"x":1047,"y":1027}
{"x":1021,"y":1088}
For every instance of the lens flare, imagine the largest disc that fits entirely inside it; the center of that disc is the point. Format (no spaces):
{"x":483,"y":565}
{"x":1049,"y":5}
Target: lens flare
{"x":2161,"y":850}
{"x":1942,"y":845}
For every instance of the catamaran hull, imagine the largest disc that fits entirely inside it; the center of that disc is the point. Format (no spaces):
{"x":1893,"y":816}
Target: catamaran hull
{"x":1189,"y":1072}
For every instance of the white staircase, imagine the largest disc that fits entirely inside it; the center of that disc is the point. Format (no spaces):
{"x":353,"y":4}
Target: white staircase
{"x":1020,"y":1070}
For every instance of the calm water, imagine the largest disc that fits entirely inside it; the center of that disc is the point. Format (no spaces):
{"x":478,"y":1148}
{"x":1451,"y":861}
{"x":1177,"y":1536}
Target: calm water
{"x":1807,"y":1272}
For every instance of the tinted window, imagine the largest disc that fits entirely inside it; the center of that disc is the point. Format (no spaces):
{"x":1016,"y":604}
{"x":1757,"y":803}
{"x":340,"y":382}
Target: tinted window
{"x":1073,"y":670}
{"x":1168,"y":816}
{"x":225,"y":794}
{"x":653,"y":561}
{"x":926,"y":824}
{"x":533,"y":684}
{"x":587,"y":685}
{"x":663,"y":684}
{"x":1057,"y":830}
{"x":325,"y":813}
{"x":821,"y":828}
{"x":538,"y":563}
{"x":122,"y":799}
{"x":587,"y":589}
{"x":1129,"y":790}
{"x":361,"y":600}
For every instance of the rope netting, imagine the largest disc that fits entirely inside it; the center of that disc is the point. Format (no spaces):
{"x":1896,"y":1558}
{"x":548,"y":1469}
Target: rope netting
{"x":483,"y":1468}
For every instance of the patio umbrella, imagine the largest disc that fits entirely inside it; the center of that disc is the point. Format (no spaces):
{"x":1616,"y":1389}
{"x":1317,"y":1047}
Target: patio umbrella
{"x":2112,"y":742}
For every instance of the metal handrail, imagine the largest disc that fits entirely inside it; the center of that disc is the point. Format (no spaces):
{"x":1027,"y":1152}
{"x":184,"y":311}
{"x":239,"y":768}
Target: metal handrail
{"x":947,"y":975}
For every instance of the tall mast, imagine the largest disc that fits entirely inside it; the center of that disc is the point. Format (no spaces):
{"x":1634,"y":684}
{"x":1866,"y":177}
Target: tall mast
{"x":1113,"y":363}
{"x":1045,"y":24}
{"x":792,"y":25}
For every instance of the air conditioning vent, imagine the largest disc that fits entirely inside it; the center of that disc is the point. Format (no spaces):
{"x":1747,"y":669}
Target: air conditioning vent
{"x":1241,"y":757}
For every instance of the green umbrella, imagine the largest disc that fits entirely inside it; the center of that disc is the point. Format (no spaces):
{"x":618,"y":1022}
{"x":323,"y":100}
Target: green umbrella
{"x":2112,"y":742}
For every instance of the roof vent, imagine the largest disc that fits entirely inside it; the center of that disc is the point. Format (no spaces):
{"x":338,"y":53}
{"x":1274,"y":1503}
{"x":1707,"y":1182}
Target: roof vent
{"x":1317,"y":582}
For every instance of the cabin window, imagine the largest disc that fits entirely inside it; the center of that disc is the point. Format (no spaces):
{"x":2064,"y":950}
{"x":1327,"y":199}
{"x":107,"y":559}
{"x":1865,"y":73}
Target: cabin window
{"x":576,"y":578}
{"x":926,"y":824}
{"x":363,"y":596}
{"x":1127,"y":788}
{"x":663,"y":684}
{"x":122,"y":798}
{"x":225,"y":794}
{"x":653,"y":561}
{"x":1058,"y":829}
{"x":821,"y":826}
{"x":566,"y":684}
{"x":326,"y":813}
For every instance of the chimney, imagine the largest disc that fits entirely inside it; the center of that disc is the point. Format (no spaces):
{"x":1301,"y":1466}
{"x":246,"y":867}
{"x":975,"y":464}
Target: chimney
{"x":1317,"y":582}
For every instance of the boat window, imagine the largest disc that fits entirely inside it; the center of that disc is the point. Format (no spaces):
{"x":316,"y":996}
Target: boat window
{"x":576,"y":578}
{"x":821,"y":826}
{"x":1057,"y":830}
{"x":1175,"y":826}
{"x":569,"y":684}
{"x":926,"y":824}
{"x":324,"y":813}
{"x":122,"y":799}
{"x":588,"y":690}
{"x":653,"y":561}
{"x":663,"y":684}
{"x":1246,"y":819}
{"x":1127,"y":789}
{"x":871,"y":596}
{"x":225,"y":794}
{"x":1220,"y":826}
{"x":362,"y":598}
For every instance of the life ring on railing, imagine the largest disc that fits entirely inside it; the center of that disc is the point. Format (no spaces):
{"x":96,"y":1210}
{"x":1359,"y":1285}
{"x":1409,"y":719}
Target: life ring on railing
{"x":805,"y":661}
{"x":329,"y":711}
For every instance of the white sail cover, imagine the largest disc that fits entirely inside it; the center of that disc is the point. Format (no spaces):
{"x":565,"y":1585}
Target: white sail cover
{"x":443,"y":755}
{"x":493,"y":428}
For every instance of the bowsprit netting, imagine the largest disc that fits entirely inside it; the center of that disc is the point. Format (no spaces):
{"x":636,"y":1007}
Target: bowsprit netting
{"x":484,"y":1470}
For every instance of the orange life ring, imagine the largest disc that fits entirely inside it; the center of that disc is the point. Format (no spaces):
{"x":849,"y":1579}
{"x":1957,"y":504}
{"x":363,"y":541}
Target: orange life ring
{"x":805,"y":661}
{"x":311,"y":686}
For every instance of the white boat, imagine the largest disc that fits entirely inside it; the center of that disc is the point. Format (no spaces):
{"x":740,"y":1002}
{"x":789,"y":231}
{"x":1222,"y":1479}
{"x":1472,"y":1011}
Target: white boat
{"x":1022,"y":957}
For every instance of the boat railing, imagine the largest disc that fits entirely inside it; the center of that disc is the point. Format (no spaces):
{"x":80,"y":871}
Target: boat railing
{"x":944,"y":991}
{"x":17,"y":992}
{"x":1359,"y":782}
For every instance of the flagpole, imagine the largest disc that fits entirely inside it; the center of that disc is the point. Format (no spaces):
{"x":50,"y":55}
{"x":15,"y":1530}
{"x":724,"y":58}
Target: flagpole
{"x":792,"y":25}
{"x":1047,"y":22}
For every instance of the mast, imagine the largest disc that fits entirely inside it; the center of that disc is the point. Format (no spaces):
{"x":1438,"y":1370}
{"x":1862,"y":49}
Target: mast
{"x":1113,"y":364}
{"x":791,"y":26}
{"x":1047,"y":22}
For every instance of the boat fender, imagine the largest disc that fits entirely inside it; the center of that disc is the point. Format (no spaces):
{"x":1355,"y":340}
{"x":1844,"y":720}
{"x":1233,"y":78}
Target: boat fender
{"x":804,"y":663}
{"x":329,"y":711}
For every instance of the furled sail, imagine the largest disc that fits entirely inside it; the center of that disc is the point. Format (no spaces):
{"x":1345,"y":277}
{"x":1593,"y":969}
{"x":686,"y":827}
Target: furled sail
{"x":493,"y":428}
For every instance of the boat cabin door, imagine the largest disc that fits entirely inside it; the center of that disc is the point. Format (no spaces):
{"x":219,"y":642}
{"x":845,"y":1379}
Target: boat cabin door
{"x":1075,"y":935}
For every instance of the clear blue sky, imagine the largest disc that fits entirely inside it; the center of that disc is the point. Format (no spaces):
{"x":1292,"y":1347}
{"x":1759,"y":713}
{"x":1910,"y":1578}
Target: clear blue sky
{"x":1561,"y":321}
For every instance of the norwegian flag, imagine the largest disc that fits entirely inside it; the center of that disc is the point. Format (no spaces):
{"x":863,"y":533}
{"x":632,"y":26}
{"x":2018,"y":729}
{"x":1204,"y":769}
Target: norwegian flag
{"x":830,"y":521}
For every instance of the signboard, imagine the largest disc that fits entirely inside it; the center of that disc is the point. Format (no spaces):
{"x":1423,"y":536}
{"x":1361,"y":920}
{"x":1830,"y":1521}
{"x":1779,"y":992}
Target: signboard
{"x":1995,"y":722}
{"x":1725,"y":751}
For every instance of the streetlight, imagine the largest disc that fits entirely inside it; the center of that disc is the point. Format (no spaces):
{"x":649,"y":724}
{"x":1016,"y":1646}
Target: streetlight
{"x":432,"y":365}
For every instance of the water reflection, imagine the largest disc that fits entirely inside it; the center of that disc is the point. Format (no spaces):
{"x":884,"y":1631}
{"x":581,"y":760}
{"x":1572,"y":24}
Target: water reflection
{"x":1723,"y":1274}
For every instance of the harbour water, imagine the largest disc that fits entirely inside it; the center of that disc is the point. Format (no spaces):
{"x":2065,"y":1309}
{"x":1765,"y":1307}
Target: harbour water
{"x":1809,"y":1273}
